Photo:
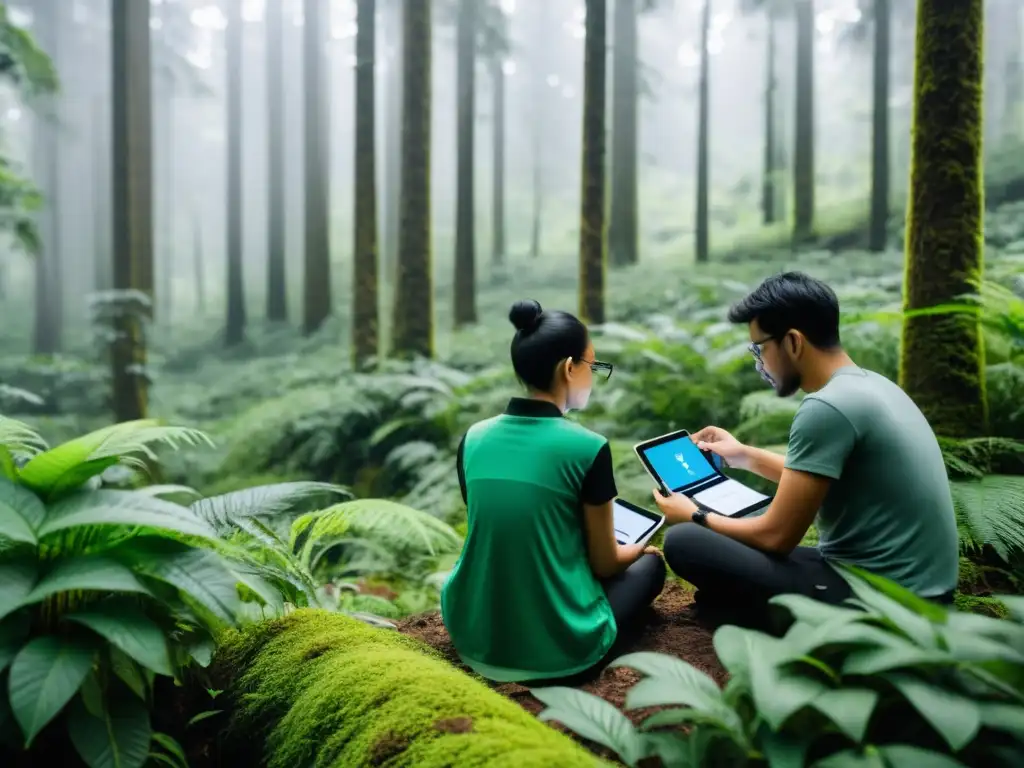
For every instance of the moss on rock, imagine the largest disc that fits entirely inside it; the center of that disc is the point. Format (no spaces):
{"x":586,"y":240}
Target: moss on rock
{"x":321,"y":689}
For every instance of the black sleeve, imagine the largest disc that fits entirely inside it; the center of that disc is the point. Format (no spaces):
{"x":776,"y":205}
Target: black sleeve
{"x":460,"y":470}
{"x":599,"y":483}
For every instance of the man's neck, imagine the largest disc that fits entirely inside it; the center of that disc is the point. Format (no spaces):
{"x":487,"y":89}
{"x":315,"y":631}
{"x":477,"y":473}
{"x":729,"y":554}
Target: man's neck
{"x":825,"y":366}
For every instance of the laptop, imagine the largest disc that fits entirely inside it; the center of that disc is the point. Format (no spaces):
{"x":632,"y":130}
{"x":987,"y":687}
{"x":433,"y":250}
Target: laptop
{"x":676,"y":463}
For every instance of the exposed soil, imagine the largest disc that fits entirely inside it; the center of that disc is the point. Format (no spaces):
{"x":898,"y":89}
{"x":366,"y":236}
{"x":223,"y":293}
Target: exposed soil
{"x":672,"y":628}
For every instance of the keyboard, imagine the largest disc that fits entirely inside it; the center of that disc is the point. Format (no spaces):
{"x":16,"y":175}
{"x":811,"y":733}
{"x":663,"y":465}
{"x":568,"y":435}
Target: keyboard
{"x":729,"y":497}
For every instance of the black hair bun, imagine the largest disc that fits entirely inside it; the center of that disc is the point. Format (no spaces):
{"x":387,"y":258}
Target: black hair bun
{"x":524,"y":314}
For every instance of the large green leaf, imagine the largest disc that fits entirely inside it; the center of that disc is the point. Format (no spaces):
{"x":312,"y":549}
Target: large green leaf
{"x":21,"y":512}
{"x":44,"y":676}
{"x":906,"y":755}
{"x":809,"y":611}
{"x":118,"y":738}
{"x":130,"y":630}
{"x":1002,"y":717}
{"x":954,"y":717}
{"x":13,"y":631}
{"x":896,"y":593}
{"x":109,"y":507}
{"x":17,"y":577}
{"x":871,"y":661}
{"x":849,"y":708}
{"x":592,"y":718}
{"x":86,"y":573}
{"x":1014,"y":604}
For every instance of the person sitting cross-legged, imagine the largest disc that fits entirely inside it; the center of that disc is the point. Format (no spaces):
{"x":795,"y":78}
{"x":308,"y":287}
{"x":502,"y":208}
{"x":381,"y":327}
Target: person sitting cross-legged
{"x":862,"y":460}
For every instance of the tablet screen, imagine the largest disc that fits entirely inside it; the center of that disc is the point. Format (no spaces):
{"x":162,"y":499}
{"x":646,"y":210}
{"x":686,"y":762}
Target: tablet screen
{"x":630,"y":526}
{"x":679,"y":462}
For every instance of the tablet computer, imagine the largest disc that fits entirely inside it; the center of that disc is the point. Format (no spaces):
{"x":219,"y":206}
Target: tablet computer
{"x":633,"y":524}
{"x":676,"y":463}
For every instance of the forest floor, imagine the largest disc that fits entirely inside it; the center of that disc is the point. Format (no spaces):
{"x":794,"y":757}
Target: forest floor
{"x":671,"y":627}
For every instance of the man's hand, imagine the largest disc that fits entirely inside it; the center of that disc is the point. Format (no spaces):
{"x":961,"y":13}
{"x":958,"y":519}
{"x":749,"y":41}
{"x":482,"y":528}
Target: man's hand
{"x":676,"y":507}
{"x":721,"y":443}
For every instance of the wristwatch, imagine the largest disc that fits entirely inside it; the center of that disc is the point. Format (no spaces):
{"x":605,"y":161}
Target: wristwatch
{"x":700,"y":517}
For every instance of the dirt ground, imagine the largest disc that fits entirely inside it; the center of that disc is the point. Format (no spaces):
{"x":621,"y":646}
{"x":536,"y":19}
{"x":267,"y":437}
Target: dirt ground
{"x":671,"y":628}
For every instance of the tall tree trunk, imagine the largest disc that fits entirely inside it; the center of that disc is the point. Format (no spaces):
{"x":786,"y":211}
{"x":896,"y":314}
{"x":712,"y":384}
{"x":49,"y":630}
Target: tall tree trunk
{"x":803,"y":152}
{"x":622,"y":225}
{"x":465,"y":235}
{"x":413,"y":326}
{"x":498,"y":190}
{"x":167,"y":273}
{"x":277,"y":285}
{"x":317,"y":278}
{"x":49,"y":303}
{"x":392,"y":193}
{"x":101,"y":198}
{"x":537,"y":120}
{"x":364,"y":257}
{"x":942,"y":363}
{"x":234,"y":332}
{"x":197,"y":261}
{"x":768,"y":196}
{"x":880,"y":130}
{"x":593,"y":234}
{"x":132,"y":183}
{"x":702,"y":223}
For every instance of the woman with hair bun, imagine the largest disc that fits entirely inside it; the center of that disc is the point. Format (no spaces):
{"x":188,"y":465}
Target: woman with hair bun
{"x":542,"y":588}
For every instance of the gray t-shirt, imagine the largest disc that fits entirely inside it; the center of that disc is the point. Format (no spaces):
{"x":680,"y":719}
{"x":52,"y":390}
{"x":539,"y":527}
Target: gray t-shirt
{"x":889,"y":510}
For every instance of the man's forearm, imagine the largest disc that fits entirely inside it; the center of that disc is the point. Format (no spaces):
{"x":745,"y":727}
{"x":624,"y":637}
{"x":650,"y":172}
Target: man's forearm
{"x":767,"y":464}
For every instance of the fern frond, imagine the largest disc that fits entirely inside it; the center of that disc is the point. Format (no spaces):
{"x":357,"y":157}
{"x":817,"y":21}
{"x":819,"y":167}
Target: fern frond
{"x":261,"y":501}
{"x":19,"y":439}
{"x":990,"y":511}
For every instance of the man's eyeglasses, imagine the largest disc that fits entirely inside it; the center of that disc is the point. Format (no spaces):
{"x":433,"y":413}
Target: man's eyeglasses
{"x":604,"y":370}
{"x":755,"y":347}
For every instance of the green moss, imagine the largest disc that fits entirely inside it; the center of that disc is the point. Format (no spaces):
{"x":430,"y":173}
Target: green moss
{"x":325,"y":690}
{"x":986,"y":606}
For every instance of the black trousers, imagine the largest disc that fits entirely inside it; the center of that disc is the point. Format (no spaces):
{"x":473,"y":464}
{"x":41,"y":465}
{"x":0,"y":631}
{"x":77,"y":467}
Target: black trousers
{"x":735,"y":582}
{"x":629,"y":594}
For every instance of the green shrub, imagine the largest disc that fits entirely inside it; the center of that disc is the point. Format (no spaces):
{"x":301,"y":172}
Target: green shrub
{"x":893,"y":680}
{"x":315,"y":688}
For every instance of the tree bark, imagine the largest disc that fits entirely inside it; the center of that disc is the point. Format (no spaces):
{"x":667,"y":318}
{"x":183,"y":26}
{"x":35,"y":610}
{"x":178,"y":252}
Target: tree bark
{"x":701,"y":229}
{"x":364,"y":257}
{"x":880,"y":130}
{"x":413,"y":326}
{"x":622,"y":225}
{"x":539,"y":87}
{"x":498,"y":189}
{"x":392,"y":192}
{"x":593,"y":235}
{"x":803,"y":152}
{"x":317,"y":278}
{"x":235,"y":328}
{"x":768,"y":196}
{"x":277,"y":285}
{"x":132,"y":183}
{"x":942,"y":362}
{"x":465,"y":235}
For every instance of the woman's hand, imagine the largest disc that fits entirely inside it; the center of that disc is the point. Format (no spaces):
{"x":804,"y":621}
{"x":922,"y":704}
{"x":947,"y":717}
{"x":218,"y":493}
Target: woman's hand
{"x":721,"y":443}
{"x":676,"y":507}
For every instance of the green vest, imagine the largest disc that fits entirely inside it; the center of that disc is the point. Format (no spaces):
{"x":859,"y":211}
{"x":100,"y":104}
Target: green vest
{"x":522,"y":602}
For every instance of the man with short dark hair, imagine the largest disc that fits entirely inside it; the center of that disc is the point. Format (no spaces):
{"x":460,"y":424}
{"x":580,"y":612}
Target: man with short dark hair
{"x":861,"y":459}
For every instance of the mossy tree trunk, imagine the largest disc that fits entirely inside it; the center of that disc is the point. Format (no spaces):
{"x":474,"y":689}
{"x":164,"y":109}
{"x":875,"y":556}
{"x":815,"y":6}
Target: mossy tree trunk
{"x":768,"y":207}
{"x":465,"y":230}
{"x":593,"y":235}
{"x":622,"y":225}
{"x":317,"y":277}
{"x":803,"y":151}
{"x":498,"y":188}
{"x":942,"y":363}
{"x":277,"y":286}
{"x":413,"y":324}
{"x":132,"y":182}
{"x":701,"y":229}
{"x":234,"y":330}
{"x":364,"y":257}
{"x":880,"y":129}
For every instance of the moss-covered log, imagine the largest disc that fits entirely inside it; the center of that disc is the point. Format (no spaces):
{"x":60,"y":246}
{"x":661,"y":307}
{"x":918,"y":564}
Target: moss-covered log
{"x":321,"y":689}
{"x":942,"y":364}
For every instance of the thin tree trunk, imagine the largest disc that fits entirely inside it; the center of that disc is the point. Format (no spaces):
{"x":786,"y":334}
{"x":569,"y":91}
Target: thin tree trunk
{"x":413,"y":326}
{"x":317,"y":278}
{"x":465,"y":235}
{"x":277,"y":285}
{"x":943,"y":359}
{"x":101,"y":198}
{"x":770,"y":90}
{"x":622,"y":224}
{"x":593,"y":235}
{"x":701,"y":229}
{"x":803,"y":151}
{"x":498,"y":192}
{"x":393,"y":143}
{"x":235,"y":328}
{"x":538,"y":61}
{"x":880,"y":131}
{"x":364,"y":257}
{"x":168,"y":250}
{"x":198,"y":263}
{"x":132,"y":198}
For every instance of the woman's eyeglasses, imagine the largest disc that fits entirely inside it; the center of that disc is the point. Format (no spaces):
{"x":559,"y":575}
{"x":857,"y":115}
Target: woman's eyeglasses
{"x":604,"y":370}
